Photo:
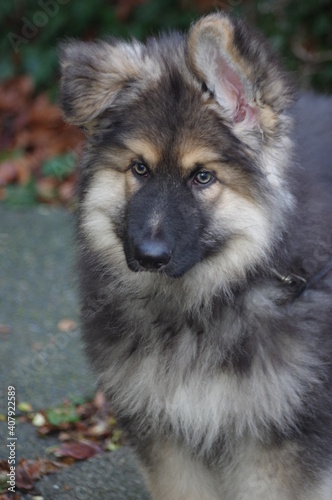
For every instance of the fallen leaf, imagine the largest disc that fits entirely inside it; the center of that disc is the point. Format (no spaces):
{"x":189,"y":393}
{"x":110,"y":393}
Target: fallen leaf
{"x":62,"y":415}
{"x":66,"y":190}
{"x":38,"y":420}
{"x":65,"y":325}
{"x":100,"y":400}
{"x":28,"y":471}
{"x":37,"y":346}
{"x":77,"y":450}
{"x":110,"y":446}
{"x":68,"y":461}
{"x":24,"y":479}
{"x":84,"y":426}
{"x":32,"y":134}
{"x":4,"y":466}
{"x":114,"y":443}
{"x":25,"y":407}
{"x":46,"y":189}
{"x":99,"y":429}
{"x":5,"y":496}
{"x":64,"y":436}
{"x":44,"y":430}
{"x":8,"y":173}
{"x":14,"y":93}
{"x":5,"y":329}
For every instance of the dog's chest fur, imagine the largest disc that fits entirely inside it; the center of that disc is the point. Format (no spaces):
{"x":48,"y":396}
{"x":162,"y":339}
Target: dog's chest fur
{"x":207,"y":380}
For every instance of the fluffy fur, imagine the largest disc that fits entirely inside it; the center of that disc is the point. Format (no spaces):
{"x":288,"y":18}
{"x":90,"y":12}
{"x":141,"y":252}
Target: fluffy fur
{"x":191,"y":196}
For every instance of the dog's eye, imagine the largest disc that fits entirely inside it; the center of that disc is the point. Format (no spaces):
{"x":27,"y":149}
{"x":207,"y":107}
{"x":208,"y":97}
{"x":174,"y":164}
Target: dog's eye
{"x":140,"y":169}
{"x":203,"y":178}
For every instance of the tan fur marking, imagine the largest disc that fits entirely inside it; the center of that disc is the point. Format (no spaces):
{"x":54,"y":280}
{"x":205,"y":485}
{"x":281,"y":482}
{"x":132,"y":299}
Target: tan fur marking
{"x":132,"y":184}
{"x":104,"y":202}
{"x":176,"y":476}
{"x":116,"y":159}
{"x":191,"y":154}
{"x":257,"y":473}
{"x":145,"y":149}
{"x":269,"y":119}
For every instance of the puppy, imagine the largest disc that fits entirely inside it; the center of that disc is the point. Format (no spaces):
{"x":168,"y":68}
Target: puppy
{"x":204,"y":231}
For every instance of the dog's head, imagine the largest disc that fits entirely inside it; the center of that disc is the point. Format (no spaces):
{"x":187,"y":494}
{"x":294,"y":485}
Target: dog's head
{"x":183,"y":172}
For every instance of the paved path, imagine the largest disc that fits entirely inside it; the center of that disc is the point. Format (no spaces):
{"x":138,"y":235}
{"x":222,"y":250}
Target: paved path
{"x":37,"y":290}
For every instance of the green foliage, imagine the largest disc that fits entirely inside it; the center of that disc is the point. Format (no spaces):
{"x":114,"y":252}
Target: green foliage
{"x":62,"y":415}
{"x":59,"y":166}
{"x":299,"y":29}
{"x":114,"y":443}
{"x":11,"y":155}
{"x":22,"y":196}
{"x":31,"y":48}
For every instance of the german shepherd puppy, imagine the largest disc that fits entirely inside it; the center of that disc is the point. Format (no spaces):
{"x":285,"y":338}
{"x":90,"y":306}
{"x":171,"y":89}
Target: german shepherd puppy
{"x":205,"y":260}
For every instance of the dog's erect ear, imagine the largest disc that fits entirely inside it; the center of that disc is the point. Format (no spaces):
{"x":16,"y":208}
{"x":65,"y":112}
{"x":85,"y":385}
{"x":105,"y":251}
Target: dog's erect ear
{"x":238,"y":67}
{"x":93,"y":74}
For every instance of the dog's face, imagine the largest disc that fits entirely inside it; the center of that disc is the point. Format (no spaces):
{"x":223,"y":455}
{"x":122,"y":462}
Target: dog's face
{"x":186,"y":149}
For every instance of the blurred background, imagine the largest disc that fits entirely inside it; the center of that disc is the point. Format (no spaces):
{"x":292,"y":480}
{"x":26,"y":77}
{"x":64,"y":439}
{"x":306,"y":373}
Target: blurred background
{"x":38,"y":152}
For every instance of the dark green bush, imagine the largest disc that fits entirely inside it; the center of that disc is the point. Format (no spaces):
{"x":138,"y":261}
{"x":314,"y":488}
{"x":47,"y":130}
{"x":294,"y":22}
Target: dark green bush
{"x":300,"y":30}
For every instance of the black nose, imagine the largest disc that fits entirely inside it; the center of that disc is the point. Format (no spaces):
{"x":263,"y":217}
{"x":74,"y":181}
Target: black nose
{"x":152,"y":254}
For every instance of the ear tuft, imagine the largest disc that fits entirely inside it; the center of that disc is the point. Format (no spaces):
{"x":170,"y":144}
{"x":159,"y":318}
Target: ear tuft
{"x":92,"y":75}
{"x":238,"y":67}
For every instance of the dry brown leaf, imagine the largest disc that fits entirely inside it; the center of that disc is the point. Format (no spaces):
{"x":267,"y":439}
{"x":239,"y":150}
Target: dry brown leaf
{"x":15,"y":93}
{"x":5,"y":329}
{"x":46,"y":188}
{"x":67,"y":190}
{"x":5,"y":496}
{"x":100,"y":429}
{"x":77,"y":450}
{"x":66,"y":324}
{"x":28,"y":471}
{"x":4,"y":467}
{"x":19,"y":169}
{"x":64,"y":436}
{"x":100,"y":400}
{"x":8,"y":173}
{"x":37,"y":346}
{"x":34,"y":127}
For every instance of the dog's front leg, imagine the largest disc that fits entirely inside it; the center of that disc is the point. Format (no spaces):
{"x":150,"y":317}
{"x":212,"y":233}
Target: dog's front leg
{"x":171,"y":474}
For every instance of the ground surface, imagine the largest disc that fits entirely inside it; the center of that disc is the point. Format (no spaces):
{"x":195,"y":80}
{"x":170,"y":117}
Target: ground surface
{"x":44,"y":365}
